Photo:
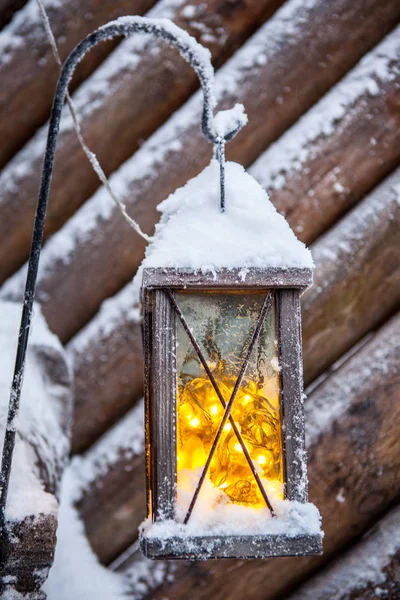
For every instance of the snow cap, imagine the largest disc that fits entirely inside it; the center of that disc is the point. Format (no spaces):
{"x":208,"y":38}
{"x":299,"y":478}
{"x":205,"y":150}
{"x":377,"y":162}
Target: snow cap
{"x":193,"y":233}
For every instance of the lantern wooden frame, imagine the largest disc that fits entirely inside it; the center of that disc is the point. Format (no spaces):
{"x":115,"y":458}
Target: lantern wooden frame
{"x":160,"y":402}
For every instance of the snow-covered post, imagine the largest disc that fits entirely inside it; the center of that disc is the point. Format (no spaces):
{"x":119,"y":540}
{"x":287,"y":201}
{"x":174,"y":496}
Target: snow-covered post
{"x":41,"y":452}
{"x":215,"y":130}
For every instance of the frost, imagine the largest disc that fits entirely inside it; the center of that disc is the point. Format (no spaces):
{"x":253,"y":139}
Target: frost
{"x":194,"y":234}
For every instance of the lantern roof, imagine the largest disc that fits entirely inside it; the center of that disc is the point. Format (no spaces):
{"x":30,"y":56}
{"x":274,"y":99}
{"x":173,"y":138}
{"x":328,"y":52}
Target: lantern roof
{"x":193,"y":234}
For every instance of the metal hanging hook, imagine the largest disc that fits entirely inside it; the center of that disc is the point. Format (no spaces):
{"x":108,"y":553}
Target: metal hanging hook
{"x":200,"y":59}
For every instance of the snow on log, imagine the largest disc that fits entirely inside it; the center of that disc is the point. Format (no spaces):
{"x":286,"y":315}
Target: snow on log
{"x":356,"y":279}
{"x":338,"y":310}
{"x":352,"y":422}
{"x":108,"y":367}
{"x":266,"y":74}
{"x":140,"y":84}
{"x":111,"y":478}
{"x":366,"y":572}
{"x":28,"y":70}
{"x":41,"y":451}
{"x":341,"y":148}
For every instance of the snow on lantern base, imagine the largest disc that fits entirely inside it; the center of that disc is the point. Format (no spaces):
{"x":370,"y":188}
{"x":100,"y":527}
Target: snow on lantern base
{"x":226,"y":461}
{"x":229,"y":531}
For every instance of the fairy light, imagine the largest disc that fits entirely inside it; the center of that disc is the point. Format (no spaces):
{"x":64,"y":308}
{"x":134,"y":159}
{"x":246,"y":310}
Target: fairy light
{"x":198,"y":419}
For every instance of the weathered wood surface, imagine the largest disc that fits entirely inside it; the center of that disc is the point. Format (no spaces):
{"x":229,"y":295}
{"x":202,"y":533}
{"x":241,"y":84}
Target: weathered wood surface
{"x":357,"y":278}
{"x":370,"y":570}
{"x":356,"y":287}
{"x":28,"y":542}
{"x":267,"y":76}
{"x":26,"y":556}
{"x":341,"y":148}
{"x":137,"y":88}
{"x":351,"y":425}
{"x":28,"y":71}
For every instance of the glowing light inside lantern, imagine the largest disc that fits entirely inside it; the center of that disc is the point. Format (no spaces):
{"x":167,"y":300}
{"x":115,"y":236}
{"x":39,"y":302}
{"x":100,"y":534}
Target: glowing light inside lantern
{"x":229,"y":471}
{"x":222,"y":328}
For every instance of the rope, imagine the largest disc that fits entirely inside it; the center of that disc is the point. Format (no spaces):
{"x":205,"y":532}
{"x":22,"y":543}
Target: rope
{"x":89,"y":153}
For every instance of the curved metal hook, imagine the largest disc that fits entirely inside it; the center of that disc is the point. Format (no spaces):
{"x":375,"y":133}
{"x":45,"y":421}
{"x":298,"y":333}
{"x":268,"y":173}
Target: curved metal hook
{"x":199,"y":58}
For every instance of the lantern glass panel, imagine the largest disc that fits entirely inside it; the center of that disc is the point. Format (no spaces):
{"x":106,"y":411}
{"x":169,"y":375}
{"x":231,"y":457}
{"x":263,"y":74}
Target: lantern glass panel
{"x":223,"y":324}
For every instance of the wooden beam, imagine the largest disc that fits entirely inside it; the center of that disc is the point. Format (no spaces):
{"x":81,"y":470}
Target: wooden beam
{"x":340,"y":308}
{"x":368,"y":571}
{"x":352,"y":421}
{"x":134,"y":92}
{"x":340,"y":149}
{"x":356,"y":282}
{"x":28,"y":70}
{"x":329,"y":39}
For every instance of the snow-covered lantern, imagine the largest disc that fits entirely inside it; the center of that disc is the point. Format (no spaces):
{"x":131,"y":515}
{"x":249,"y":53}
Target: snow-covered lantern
{"x":226,"y":460}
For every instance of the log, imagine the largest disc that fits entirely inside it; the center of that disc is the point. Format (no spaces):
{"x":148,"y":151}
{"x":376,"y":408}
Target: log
{"x":338,"y":311}
{"x":366,"y":572}
{"x":356,"y":282}
{"x":108,"y":368}
{"x":340,"y":149}
{"x":352,"y":421}
{"x":112,"y":474}
{"x":135,"y":91}
{"x":41,"y":450}
{"x":267,"y":75}
{"x":28,"y":71}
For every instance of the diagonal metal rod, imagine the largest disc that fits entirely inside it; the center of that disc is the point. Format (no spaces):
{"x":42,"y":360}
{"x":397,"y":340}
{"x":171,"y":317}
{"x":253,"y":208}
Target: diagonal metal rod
{"x":221,"y":398}
{"x":264,"y":310}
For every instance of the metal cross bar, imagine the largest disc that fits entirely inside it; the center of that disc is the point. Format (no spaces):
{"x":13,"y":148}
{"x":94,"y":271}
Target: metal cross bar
{"x":221,"y":398}
{"x":264,"y":310}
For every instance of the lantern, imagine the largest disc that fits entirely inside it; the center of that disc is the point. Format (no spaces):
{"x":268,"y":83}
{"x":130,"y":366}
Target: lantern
{"x":226,"y":462}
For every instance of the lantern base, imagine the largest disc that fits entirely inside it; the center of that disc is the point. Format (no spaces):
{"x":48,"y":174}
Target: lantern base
{"x":235,"y":546}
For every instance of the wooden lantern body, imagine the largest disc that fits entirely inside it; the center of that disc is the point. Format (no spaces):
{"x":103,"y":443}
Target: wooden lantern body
{"x":161,"y":316}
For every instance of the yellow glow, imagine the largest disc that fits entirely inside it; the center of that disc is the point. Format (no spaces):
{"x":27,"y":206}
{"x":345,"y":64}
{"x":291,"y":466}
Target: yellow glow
{"x":257,"y":418}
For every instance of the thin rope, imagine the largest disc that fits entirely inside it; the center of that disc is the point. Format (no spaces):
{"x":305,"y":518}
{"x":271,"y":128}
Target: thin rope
{"x":89,"y":153}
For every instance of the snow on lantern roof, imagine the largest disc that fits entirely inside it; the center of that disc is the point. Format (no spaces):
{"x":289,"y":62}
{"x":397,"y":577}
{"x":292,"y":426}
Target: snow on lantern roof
{"x":193,"y":233}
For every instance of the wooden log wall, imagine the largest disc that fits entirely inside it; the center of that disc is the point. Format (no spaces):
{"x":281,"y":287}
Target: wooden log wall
{"x":368,"y":571}
{"x":317,"y":173}
{"x":140,"y":85}
{"x":25,"y":100}
{"x":327,"y":43}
